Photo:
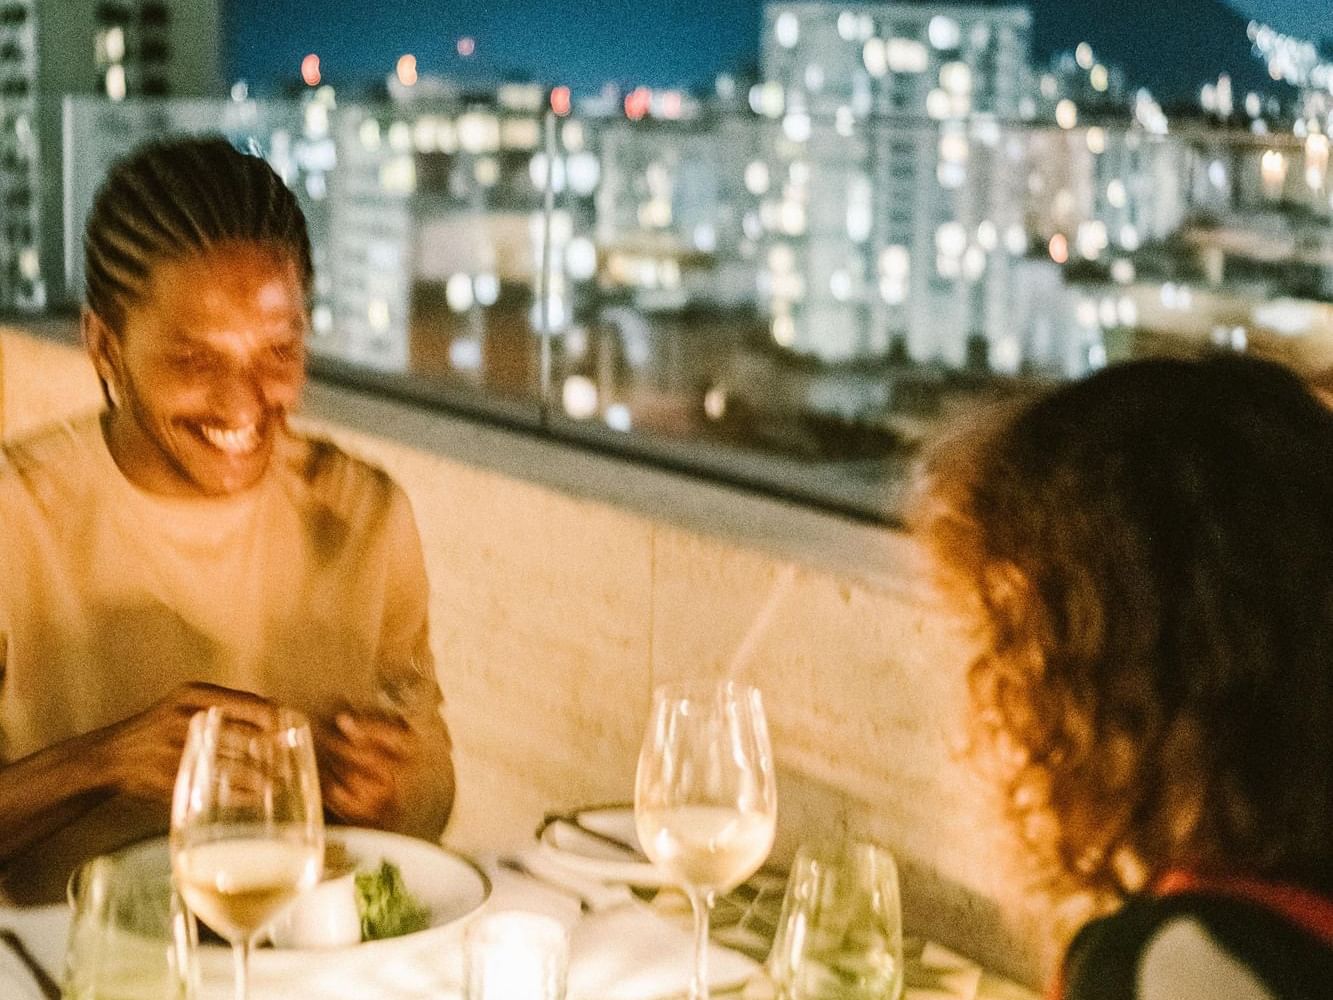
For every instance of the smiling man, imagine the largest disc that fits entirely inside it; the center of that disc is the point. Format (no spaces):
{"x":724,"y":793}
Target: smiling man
{"x":185,"y":548}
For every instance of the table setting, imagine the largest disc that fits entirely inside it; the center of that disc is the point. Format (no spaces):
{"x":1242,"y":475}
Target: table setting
{"x":251,"y":897}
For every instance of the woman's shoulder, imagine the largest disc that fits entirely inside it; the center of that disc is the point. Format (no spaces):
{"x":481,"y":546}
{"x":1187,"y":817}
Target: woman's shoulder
{"x":1196,"y":946}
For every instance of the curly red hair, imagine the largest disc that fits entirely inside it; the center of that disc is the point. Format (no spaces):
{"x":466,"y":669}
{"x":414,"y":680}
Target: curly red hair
{"x":1149,"y":554}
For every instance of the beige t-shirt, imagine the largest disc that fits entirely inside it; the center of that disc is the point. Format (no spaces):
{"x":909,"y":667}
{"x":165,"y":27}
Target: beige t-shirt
{"x":110,"y":597}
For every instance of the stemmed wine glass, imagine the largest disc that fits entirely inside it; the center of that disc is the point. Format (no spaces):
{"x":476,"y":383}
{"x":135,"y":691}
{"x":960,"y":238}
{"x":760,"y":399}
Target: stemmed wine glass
{"x":705,"y":799}
{"x":247,"y":826}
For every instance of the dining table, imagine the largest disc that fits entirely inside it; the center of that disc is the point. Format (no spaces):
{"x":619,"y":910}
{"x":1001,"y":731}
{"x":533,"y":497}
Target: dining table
{"x":622,"y":946}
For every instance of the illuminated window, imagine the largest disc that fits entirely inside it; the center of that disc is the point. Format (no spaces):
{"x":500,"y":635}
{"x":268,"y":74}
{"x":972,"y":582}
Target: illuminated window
{"x":874,"y":57}
{"x":944,"y":32}
{"x":951,"y":239}
{"x":756,"y":177}
{"x":956,"y":78}
{"x":796,"y":126}
{"x":115,"y":82}
{"x":906,"y":55}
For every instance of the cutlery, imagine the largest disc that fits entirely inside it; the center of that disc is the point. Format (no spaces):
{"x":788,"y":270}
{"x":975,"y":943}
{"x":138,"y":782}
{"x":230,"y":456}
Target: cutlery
{"x":605,"y":838}
{"x":520,"y":868}
{"x":45,"y":983}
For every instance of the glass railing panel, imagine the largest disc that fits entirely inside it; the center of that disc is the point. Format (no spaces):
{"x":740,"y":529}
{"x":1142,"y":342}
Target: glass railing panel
{"x":795,"y":302}
{"x":787,"y":300}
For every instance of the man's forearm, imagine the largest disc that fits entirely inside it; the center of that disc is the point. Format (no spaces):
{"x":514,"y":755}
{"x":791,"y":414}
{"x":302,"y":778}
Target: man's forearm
{"x":427,"y":796}
{"x":48,"y":790}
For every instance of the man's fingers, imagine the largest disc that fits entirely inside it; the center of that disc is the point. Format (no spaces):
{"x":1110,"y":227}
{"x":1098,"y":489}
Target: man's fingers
{"x":198,"y":696}
{"x":391,"y":736}
{"x":356,"y":797}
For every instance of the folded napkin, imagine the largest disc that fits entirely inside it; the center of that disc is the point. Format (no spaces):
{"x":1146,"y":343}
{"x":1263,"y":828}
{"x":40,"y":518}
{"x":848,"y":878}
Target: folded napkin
{"x":940,"y":974}
{"x":632,"y":953}
{"x":16,"y":982}
{"x":543,"y":875}
{"x":622,"y":950}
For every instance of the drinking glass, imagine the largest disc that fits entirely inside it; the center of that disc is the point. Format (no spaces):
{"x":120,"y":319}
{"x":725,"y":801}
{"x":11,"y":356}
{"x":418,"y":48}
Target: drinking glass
{"x":247,"y":828}
{"x":840,"y":936}
{"x":130,"y":936}
{"x":705,"y":798}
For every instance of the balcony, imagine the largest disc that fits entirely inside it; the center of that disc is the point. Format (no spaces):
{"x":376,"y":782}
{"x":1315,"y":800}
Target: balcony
{"x":566,"y":584}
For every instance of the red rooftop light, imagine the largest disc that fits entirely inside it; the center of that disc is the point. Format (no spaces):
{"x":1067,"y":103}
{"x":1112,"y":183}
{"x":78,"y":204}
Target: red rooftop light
{"x":637,"y":102}
{"x":561,"y":101}
{"x":310,"y":70}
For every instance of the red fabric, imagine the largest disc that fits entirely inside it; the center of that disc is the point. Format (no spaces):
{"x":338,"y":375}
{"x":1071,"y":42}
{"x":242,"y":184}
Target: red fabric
{"x":1308,"y":910}
{"x":1305,"y":909}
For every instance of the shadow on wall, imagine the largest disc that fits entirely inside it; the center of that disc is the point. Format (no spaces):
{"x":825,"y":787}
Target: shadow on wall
{"x":1011,"y":932}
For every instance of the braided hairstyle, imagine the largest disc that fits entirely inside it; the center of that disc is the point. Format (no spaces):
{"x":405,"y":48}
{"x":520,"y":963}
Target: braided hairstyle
{"x":176,"y":197}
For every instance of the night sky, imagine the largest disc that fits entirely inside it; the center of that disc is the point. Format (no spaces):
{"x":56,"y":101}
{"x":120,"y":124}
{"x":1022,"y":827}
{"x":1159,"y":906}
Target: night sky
{"x":667,"y":43}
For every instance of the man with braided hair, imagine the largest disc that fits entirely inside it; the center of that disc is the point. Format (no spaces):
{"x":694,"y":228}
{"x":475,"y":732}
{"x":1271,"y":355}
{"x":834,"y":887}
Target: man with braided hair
{"x":185,"y":548}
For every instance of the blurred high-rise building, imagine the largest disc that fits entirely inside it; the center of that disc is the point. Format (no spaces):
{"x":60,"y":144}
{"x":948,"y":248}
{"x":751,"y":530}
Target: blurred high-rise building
{"x":896,"y":180}
{"x":50,"y":49}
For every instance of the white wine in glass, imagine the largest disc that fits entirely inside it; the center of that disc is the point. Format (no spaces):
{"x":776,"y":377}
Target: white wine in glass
{"x":247,"y":825}
{"x":705,"y":798}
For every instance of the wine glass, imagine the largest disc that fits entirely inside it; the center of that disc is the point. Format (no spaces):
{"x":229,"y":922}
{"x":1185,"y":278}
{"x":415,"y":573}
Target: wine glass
{"x":705,"y":799}
{"x":247,"y":827}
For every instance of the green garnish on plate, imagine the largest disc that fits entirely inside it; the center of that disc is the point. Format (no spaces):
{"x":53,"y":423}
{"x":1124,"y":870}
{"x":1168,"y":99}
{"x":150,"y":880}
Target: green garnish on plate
{"x":387,"y":909}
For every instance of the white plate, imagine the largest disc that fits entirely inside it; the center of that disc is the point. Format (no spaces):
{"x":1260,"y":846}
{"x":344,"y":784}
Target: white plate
{"x":448,"y":884}
{"x":599,"y":843}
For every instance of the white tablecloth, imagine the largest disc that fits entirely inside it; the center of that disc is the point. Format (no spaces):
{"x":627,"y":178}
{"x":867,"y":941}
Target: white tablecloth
{"x":622,"y":951}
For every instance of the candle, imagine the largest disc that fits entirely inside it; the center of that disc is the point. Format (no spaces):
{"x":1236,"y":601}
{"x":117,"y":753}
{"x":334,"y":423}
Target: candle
{"x":516,"y":956}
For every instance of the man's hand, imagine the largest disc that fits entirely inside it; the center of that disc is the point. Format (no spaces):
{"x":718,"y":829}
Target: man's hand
{"x":361,"y":754}
{"x":143,"y":753}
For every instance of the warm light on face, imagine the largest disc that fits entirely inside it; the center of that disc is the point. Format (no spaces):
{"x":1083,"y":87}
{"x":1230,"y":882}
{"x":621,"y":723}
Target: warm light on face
{"x":207,"y":366}
{"x":310,"y":70}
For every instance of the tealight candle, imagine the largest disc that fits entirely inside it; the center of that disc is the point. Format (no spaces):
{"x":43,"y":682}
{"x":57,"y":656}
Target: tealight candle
{"x":516,"y":956}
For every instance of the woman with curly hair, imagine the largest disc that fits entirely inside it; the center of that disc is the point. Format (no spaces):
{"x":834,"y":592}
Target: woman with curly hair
{"x":1148,"y":555}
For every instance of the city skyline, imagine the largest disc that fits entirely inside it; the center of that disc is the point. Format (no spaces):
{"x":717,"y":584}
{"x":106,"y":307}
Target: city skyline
{"x":687,"y":44}
{"x":907,"y":204}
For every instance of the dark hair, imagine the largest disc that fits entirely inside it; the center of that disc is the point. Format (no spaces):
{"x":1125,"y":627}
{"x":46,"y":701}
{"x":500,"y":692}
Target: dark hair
{"x":182,"y":196}
{"x":1151,"y":555}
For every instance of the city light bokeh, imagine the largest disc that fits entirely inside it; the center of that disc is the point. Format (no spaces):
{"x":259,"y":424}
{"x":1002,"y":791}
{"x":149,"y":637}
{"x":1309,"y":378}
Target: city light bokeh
{"x":786,"y":279}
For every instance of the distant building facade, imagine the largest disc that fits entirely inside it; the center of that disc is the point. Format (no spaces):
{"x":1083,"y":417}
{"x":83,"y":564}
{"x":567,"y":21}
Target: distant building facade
{"x":53,"y":48}
{"x":895,"y":180}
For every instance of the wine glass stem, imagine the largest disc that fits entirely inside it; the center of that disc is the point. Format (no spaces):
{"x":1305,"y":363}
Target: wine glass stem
{"x":240,"y":951}
{"x":700,"y":904}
